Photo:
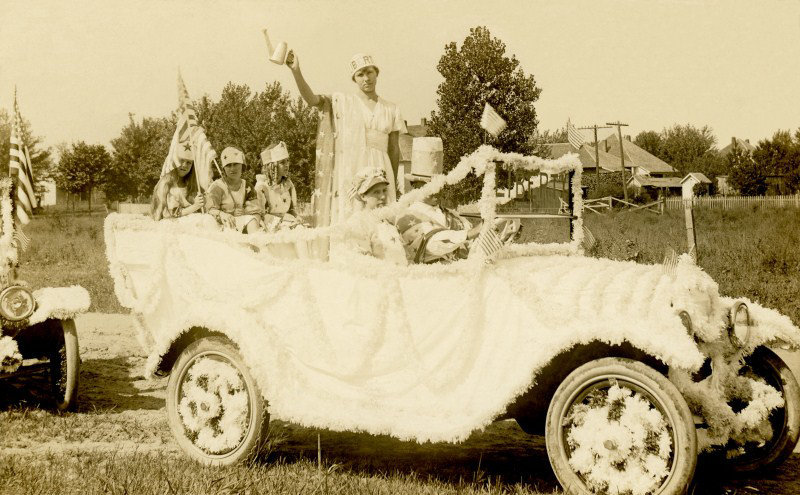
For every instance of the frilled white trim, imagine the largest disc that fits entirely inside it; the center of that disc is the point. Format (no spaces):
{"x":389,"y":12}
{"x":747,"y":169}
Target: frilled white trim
{"x":61,"y":303}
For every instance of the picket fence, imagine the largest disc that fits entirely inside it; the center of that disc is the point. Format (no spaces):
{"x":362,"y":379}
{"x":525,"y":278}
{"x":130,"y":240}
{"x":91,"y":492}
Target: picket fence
{"x":732,"y":202}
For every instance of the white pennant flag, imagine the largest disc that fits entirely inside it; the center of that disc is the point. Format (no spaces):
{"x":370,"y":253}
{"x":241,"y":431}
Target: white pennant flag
{"x":491,"y":121}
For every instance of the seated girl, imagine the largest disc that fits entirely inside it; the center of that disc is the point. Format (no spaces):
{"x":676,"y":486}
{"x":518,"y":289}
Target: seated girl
{"x":230,"y":200}
{"x":173,"y":190}
{"x":375,"y":237}
{"x":275,"y":190}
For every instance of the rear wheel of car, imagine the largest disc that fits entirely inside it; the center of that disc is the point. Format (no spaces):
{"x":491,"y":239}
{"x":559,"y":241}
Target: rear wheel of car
{"x":214,"y":406}
{"x":785,"y":421}
{"x":65,"y":368}
{"x":618,"y":426}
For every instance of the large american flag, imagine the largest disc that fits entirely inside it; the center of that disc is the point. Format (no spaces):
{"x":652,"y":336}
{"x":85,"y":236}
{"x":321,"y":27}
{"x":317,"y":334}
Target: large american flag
{"x":20,"y":169}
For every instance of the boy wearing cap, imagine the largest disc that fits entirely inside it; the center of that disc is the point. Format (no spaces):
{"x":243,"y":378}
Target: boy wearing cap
{"x":357,"y":131}
{"x":430,"y":232}
{"x":230,"y":200}
{"x":275,"y":190}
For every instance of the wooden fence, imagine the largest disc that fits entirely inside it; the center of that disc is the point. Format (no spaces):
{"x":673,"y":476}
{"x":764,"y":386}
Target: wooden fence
{"x":732,"y":202}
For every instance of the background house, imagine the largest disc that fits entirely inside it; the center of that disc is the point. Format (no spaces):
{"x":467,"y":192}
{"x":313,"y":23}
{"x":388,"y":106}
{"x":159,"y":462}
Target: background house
{"x":689,"y":182}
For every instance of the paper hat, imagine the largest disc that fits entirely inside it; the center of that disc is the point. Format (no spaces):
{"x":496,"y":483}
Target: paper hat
{"x":359,"y":61}
{"x":427,"y":159}
{"x":275,"y":153}
{"x":366,"y":179}
{"x":184,"y":151}
{"x":232,"y":155}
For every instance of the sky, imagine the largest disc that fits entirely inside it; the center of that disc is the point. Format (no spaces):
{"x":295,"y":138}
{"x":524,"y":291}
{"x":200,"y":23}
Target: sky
{"x":81,"y":67}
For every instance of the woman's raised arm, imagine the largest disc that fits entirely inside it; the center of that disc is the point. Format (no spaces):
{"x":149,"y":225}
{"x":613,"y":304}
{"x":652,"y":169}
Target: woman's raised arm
{"x":311,"y":98}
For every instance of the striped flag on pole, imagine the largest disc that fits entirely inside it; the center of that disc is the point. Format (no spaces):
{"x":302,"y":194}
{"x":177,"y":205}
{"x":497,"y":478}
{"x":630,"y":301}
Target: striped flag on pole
{"x":187,"y":115}
{"x":204,"y":155}
{"x":574,"y":136}
{"x":489,"y":243}
{"x":491,"y":121}
{"x":20,"y":169}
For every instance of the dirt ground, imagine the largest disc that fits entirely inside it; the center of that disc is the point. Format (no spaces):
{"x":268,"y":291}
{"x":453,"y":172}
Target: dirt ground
{"x":120,"y":410}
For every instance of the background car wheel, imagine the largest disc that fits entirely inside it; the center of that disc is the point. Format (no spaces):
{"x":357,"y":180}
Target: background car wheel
{"x":618,"y":426}
{"x":65,"y":368}
{"x":214,"y":406}
{"x":785,"y":421}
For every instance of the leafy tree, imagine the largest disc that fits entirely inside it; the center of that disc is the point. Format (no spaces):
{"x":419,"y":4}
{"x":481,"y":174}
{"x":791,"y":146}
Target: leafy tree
{"x":82,"y":168}
{"x":475,"y":73}
{"x":41,"y":159}
{"x":781,"y":156}
{"x":137,"y":158}
{"x":651,"y":142}
{"x":252,"y":121}
{"x":688,"y":148}
{"x":745,"y":174}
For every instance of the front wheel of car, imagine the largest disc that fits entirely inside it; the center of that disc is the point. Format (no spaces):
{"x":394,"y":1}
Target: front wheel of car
{"x":784,"y":421}
{"x":214,"y":406}
{"x":618,"y":426}
{"x":65,"y":368}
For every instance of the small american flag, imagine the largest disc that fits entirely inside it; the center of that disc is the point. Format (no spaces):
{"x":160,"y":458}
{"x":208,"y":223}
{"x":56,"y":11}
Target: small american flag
{"x":574,"y":136}
{"x":489,"y":243}
{"x":19,"y":168}
{"x":491,"y":121}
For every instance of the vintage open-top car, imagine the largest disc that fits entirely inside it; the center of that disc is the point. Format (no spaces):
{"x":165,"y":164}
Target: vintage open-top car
{"x":629,"y":370}
{"x":37,"y":328}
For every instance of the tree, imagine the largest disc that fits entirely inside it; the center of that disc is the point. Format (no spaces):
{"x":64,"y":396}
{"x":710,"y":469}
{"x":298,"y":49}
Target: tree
{"x":474,"y":74}
{"x":82,"y":168}
{"x":41,"y":159}
{"x":252,"y":121}
{"x":688,"y":148}
{"x":745,"y":174}
{"x":780,"y":156}
{"x":137,"y":158}
{"x":651,"y":142}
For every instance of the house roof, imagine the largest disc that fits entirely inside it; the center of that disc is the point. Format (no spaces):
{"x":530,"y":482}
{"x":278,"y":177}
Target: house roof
{"x":740,"y":143}
{"x":648,"y":181}
{"x":418,"y":130}
{"x":586,"y":156}
{"x":702,"y":179}
{"x":636,"y":156}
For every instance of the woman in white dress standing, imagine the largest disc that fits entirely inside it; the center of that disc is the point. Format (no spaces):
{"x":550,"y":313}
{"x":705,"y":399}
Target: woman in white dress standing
{"x":357,"y":131}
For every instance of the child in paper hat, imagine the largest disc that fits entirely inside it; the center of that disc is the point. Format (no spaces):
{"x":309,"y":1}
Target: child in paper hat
{"x":275,"y":189}
{"x":231,"y":201}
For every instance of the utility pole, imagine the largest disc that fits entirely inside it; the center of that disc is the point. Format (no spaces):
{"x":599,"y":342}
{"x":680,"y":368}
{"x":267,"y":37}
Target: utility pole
{"x":596,"y":151}
{"x":619,"y":125}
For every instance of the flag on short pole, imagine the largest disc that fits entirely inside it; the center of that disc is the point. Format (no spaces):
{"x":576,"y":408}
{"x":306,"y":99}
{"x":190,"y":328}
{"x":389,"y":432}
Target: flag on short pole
{"x":489,"y":243}
{"x":204,"y":156}
{"x":574,"y":136}
{"x":20,"y":169}
{"x":191,"y":137}
{"x":491,"y":121}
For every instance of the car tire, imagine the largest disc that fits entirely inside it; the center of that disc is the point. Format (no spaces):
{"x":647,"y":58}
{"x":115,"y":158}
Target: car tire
{"x":580,"y":397}
{"x":217,"y":359}
{"x":785,"y":421}
{"x":65,"y":369}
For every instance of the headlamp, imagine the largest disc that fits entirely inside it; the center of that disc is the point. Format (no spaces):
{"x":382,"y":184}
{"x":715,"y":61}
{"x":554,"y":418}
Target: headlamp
{"x":741,"y":324}
{"x":16,"y":303}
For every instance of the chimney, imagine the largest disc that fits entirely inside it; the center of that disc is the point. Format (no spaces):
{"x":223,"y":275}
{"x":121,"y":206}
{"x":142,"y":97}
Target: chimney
{"x":424,"y":121}
{"x":747,"y":141}
{"x":627,"y":137}
{"x":733,"y":141}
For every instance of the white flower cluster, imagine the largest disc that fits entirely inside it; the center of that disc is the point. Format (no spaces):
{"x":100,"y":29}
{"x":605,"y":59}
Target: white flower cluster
{"x":10,"y":358}
{"x":214,"y":406}
{"x":620,"y":443}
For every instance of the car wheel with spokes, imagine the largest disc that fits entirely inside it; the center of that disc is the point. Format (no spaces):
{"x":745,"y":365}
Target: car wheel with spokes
{"x":214,"y":406}
{"x":618,"y":426}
